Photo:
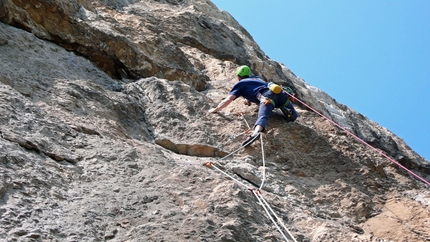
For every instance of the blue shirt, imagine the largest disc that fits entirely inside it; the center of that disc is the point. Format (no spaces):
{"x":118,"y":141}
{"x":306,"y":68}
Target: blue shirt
{"x":249,"y":88}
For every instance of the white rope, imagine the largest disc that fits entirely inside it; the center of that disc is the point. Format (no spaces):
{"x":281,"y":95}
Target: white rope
{"x":279,"y":220}
{"x":263,"y":203}
{"x":249,"y":127}
{"x":262,"y":153}
{"x":268,"y":214}
{"x":239,"y":134}
{"x":234,"y":179}
{"x":264,"y":162}
{"x":257,"y":193}
{"x":238,"y":149}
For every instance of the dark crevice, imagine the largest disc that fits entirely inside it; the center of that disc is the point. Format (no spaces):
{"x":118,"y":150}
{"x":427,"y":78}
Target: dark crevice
{"x":249,"y":181}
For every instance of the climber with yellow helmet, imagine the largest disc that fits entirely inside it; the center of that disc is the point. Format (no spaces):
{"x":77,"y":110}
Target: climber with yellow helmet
{"x":268,"y":95}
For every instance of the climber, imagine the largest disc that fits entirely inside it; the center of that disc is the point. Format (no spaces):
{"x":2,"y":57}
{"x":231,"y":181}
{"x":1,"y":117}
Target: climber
{"x":268,"y":95}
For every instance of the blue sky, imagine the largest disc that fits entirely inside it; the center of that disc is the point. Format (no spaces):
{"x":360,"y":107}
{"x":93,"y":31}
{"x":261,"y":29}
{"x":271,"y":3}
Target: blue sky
{"x":371,"y":55}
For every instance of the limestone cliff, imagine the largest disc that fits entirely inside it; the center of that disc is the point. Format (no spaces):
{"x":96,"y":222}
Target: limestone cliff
{"x":104,"y":133}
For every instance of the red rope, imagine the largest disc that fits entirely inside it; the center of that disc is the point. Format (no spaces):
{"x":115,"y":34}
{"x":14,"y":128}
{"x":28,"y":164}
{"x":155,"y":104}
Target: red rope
{"x":361,"y":140}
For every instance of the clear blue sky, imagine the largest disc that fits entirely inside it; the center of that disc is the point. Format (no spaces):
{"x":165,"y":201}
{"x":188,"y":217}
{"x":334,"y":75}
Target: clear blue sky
{"x":371,"y":55}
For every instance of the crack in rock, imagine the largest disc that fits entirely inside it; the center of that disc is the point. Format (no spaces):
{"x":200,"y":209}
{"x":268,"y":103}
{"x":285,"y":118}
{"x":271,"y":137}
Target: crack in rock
{"x":191,"y":149}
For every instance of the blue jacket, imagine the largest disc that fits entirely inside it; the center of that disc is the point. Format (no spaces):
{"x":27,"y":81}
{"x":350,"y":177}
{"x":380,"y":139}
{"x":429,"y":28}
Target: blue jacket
{"x":249,"y":88}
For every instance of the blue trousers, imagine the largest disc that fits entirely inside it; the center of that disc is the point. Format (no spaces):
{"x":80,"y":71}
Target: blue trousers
{"x":265,"y":111}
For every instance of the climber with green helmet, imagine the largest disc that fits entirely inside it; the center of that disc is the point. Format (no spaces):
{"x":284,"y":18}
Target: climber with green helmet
{"x":267,"y":95}
{"x":243,"y":72}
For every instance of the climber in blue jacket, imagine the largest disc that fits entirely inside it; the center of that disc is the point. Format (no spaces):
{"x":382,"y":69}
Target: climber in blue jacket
{"x":267,"y":95}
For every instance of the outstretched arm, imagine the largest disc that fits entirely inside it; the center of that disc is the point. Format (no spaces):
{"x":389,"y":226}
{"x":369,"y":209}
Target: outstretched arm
{"x":224,"y":103}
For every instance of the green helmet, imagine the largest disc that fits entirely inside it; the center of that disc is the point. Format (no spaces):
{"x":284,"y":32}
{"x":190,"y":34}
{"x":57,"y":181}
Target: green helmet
{"x":243,"y":71}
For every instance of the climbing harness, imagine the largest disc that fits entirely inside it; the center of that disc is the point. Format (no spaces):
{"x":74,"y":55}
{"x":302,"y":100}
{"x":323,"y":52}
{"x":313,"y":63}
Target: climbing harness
{"x":361,"y":140}
{"x":257,"y":192}
{"x":267,"y":100}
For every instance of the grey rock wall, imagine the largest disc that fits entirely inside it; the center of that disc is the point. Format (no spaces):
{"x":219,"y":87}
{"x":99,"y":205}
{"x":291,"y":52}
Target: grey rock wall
{"x":105,"y":133}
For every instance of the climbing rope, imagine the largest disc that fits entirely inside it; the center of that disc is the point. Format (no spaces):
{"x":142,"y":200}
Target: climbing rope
{"x":264,"y":163}
{"x":279,"y":220}
{"x":211,"y":164}
{"x":257,"y":193}
{"x":265,"y":207}
{"x":262,"y":153}
{"x":361,"y":140}
{"x":269,"y":211}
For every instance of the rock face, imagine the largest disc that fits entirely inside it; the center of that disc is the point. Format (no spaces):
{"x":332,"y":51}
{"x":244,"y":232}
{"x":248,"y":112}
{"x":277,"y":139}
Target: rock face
{"x":105,"y":133}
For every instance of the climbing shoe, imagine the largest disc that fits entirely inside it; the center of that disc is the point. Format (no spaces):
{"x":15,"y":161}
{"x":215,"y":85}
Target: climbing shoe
{"x":287,"y":112}
{"x":251,"y":139}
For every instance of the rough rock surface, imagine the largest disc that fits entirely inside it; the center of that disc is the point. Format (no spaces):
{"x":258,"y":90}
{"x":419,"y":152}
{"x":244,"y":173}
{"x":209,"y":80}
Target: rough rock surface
{"x":105,"y":133}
